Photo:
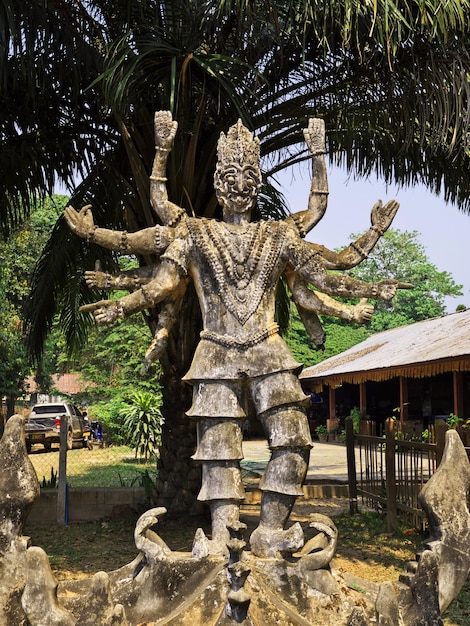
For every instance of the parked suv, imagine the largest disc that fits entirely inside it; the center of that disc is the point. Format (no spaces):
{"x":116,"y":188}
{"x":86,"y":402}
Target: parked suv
{"x":43,"y":425}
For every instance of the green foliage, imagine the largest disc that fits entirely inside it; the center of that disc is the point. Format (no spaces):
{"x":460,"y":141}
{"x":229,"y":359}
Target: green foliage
{"x":453,"y":421}
{"x":142,"y":423}
{"x":339,"y":337}
{"x":355,"y":415}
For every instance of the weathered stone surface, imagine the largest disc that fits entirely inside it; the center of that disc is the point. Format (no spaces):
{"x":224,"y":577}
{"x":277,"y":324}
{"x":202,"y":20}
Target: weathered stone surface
{"x":241,"y":360}
{"x":386,"y":605}
{"x":437,"y":577}
{"x":39,"y":599}
{"x":19,"y":488}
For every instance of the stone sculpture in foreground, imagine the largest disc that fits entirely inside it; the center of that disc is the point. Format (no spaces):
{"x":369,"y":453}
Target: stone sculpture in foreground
{"x":236,"y":266}
{"x":165,"y":587}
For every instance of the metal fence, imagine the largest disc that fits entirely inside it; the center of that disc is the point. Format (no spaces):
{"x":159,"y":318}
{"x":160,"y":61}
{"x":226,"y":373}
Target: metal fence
{"x":97,"y":466}
{"x":387,"y":473}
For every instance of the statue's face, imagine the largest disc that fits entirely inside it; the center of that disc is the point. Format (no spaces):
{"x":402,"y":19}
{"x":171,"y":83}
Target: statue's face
{"x":237,"y":187}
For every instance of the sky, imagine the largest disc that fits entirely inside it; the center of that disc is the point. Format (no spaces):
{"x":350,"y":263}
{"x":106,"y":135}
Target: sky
{"x":443,"y":229}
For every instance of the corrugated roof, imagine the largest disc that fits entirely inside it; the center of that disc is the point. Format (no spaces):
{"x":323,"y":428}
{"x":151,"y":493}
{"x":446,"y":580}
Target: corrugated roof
{"x":416,"y":351}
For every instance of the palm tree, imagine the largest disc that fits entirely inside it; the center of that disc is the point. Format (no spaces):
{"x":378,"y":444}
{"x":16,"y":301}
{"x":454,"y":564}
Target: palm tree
{"x":389,"y":78}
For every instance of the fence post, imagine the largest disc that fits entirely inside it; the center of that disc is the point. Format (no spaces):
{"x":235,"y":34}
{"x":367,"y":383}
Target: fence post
{"x":351,"y":458}
{"x":390,"y":477}
{"x":62,"y":487}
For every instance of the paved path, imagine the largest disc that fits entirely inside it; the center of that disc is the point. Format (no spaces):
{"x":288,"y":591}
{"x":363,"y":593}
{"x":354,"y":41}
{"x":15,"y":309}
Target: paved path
{"x":327,"y":460}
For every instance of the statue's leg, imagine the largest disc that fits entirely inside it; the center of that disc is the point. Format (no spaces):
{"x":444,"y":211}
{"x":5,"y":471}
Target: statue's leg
{"x":289,"y":439}
{"x":219,"y":415}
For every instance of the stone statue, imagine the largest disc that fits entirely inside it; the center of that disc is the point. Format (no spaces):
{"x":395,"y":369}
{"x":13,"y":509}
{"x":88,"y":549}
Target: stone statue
{"x":236,"y":266}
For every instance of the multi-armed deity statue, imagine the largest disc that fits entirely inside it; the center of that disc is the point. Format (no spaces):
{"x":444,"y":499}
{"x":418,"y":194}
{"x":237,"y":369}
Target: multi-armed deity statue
{"x":240,"y":360}
{"x":236,"y":265}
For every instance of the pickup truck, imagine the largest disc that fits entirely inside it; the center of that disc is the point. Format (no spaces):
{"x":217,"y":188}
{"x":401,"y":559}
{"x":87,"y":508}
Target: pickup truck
{"x":43,"y":425}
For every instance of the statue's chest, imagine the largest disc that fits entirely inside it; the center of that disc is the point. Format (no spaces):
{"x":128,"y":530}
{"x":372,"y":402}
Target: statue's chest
{"x":241,"y":263}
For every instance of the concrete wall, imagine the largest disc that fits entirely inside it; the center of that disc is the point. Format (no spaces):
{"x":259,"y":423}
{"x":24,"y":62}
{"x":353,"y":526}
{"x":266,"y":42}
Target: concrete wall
{"x":86,"y":505}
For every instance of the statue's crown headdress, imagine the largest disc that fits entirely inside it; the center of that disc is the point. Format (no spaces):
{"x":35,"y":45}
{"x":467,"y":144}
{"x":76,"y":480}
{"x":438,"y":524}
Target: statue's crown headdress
{"x":238,"y":146}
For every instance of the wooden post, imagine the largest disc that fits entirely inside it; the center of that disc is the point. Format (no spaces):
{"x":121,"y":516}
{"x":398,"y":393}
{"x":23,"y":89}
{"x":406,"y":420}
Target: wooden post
{"x":351,"y":457}
{"x":363,"y":397}
{"x":403,"y":399}
{"x":458,"y":394}
{"x":332,"y":402}
{"x":62,"y":488}
{"x":390,"y":477}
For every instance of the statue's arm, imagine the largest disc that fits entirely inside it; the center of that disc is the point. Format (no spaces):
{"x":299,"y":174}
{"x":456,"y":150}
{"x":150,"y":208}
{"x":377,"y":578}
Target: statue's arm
{"x":309,"y":264}
{"x":129,"y":279}
{"x":322,"y":304}
{"x":166,"y":320}
{"x":167,"y":278}
{"x":318,"y":198}
{"x":148,"y":240}
{"x":165,"y":131}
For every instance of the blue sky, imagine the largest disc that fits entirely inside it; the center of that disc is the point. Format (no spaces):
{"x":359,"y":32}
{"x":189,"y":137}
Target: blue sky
{"x":443,"y":230}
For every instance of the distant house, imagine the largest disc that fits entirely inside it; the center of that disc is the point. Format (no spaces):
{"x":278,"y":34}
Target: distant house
{"x":416,"y":372}
{"x":66,"y":385}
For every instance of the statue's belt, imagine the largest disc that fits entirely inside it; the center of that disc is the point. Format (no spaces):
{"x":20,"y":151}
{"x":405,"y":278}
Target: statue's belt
{"x":232,"y":342}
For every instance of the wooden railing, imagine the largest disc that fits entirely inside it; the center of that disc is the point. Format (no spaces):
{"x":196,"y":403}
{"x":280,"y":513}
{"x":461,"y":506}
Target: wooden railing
{"x":387,"y":473}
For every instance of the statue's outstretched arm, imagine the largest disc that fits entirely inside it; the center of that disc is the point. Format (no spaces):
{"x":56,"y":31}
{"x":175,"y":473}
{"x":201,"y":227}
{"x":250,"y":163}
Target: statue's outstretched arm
{"x":318,"y":198}
{"x":310,"y":265}
{"x":322,"y":304}
{"x":167,"y":279}
{"x":129,"y":280}
{"x":134,"y":279}
{"x":145,"y":241}
{"x":165,"y":131}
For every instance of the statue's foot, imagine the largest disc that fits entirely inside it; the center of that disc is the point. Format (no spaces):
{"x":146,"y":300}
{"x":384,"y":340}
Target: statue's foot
{"x":268,"y":542}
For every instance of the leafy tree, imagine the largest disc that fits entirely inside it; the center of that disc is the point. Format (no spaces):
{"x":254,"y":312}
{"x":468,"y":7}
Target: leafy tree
{"x":390,"y":79}
{"x":18,"y":256}
{"x":400,"y":255}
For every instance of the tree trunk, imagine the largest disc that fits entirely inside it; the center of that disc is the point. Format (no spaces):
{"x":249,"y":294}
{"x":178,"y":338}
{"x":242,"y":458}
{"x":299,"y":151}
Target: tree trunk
{"x":179,"y":477}
{"x":11,"y":400}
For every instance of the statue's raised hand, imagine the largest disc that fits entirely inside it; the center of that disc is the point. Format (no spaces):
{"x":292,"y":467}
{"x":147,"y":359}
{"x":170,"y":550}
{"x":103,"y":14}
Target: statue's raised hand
{"x":97,"y":280}
{"x":80,"y":222}
{"x":315,"y":136}
{"x":382,"y":215}
{"x":165,"y":130}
